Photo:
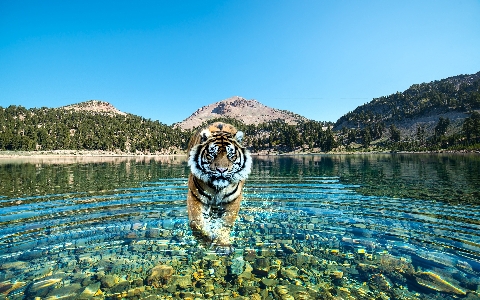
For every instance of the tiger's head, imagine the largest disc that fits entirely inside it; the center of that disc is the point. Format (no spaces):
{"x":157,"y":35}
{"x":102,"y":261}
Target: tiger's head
{"x":217,"y":157}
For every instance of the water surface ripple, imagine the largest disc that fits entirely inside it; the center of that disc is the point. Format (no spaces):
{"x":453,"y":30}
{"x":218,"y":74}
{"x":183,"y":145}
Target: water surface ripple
{"x":305,"y":228}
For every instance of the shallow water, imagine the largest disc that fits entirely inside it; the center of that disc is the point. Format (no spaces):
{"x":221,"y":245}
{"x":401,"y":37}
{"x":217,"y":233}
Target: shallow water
{"x":310,"y":227}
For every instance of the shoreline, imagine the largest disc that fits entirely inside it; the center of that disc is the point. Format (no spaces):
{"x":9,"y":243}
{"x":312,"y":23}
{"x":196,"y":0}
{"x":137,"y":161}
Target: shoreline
{"x":105,"y":154}
{"x":79,"y":153}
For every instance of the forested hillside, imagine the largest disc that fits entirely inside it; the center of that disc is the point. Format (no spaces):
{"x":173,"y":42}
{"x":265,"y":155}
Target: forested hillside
{"x":58,"y":129}
{"x":442,"y":114}
{"x":458,"y":94}
{"x":427,"y":116}
{"x":279,"y":136}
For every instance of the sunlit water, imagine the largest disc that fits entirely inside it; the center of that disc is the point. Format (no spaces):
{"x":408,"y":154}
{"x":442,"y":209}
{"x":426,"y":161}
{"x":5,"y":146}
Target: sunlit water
{"x":310,"y":227}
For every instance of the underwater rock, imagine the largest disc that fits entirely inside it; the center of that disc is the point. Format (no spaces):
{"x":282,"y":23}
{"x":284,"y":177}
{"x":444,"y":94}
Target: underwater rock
{"x":120,"y":287}
{"x":85,"y":280}
{"x":90,"y":291}
{"x":181,"y":281}
{"x":108,"y":281}
{"x":380,"y":282}
{"x":217,"y":268}
{"x":303,"y":259}
{"x":132,"y":235}
{"x":250,"y":255}
{"x":168,"y":224}
{"x":269,"y":282}
{"x":198,"y":275}
{"x":391,"y":264}
{"x":248,"y":290}
{"x":237,"y":265}
{"x":247,"y":273}
{"x":208,"y":286}
{"x":261,"y":263}
{"x":7,"y":287}
{"x":16,"y":265}
{"x":256,"y":296}
{"x":41,"y":272}
{"x":42,"y":287}
{"x":437,"y":283}
{"x":301,"y":293}
{"x":267,"y":252}
{"x":337,"y":274}
{"x":160,"y":275}
{"x":30,"y":255}
{"x":274,"y":269}
{"x":153,"y":233}
{"x":68,"y":292}
{"x":289,"y":272}
{"x":137,"y":282}
{"x":465,"y":266}
{"x":288,"y":249}
{"x":249,"y":218}
{"x":282,"y":292}
{"x":137,"y":226}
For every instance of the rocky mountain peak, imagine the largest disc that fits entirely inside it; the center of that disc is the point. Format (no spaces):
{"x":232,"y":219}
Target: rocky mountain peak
{"x":247,"y":111}
{"x":94,"y":106}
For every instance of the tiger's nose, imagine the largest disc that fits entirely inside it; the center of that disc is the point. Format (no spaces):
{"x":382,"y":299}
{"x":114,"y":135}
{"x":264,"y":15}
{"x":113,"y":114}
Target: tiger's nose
{"x":221,"y":170}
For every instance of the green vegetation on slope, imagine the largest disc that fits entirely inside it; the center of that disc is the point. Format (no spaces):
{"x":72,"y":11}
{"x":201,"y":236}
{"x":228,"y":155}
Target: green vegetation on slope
{"x":54,"y":129}
{"x":281,"y":137}
{"x":59,"y":129}
{"x":460,"y":93}
{"x":429,"y":116}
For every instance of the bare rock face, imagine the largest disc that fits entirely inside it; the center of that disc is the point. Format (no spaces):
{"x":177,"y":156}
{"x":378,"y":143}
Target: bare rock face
{"x":247,"y":111}
{"x":94,"y":106}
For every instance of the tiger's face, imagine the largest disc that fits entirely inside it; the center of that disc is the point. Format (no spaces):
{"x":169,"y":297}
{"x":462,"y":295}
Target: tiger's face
{"x":219,"y":159}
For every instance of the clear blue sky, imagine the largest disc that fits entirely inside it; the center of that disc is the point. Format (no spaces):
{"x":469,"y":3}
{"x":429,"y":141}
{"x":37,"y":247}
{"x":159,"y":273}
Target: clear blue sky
{"x":164,"y":59}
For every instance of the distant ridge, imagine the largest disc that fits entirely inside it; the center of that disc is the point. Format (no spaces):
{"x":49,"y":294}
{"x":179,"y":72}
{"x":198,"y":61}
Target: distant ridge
{"x":247,"y":111}
{"x":420,"y":105}
{"x":94,"y":106}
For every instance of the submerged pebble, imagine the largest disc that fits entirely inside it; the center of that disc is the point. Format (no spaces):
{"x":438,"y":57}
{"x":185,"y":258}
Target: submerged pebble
{"x":313,"y":241}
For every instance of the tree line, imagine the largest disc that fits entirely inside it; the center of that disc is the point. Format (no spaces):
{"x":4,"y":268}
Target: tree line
{"x":58,"y":129}
{"x":460,"y":93}
{"x":279,"y":136}
{"x":382,"y":121}
{"x":381,"y":137}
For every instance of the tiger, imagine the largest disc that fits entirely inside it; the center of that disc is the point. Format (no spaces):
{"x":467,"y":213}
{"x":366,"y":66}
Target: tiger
{"x":219,"y":166}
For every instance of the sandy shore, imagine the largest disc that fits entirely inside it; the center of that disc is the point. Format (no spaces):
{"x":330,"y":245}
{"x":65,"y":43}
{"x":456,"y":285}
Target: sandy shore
{"x":83,"y":156}
{"x":104,"y":154}
{"x":79,"y":153}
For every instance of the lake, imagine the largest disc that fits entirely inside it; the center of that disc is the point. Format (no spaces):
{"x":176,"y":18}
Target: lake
{"x":380,"y":226}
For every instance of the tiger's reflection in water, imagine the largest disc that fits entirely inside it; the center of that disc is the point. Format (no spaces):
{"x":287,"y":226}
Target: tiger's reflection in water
{"x":219,"y":165}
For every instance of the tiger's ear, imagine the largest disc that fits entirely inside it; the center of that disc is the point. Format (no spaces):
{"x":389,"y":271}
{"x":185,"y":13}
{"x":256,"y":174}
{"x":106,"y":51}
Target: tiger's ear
{"x":239,"y":136}
{"x":204,"y":135}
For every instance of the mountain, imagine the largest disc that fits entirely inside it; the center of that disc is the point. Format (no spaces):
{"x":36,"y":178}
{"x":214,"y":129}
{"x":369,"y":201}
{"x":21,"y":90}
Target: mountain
{"x":442,"y":114}
{"x":420,"y":105}
{"x":94,"y":106}
{"x":91,"y":125}
{"x":248,"y":111}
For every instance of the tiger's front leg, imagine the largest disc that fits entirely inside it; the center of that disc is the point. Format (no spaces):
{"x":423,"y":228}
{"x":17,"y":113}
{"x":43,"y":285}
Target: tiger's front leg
{"x":222,"y":239}
{"x":197,"y":218}
{"x":210,"y":227}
